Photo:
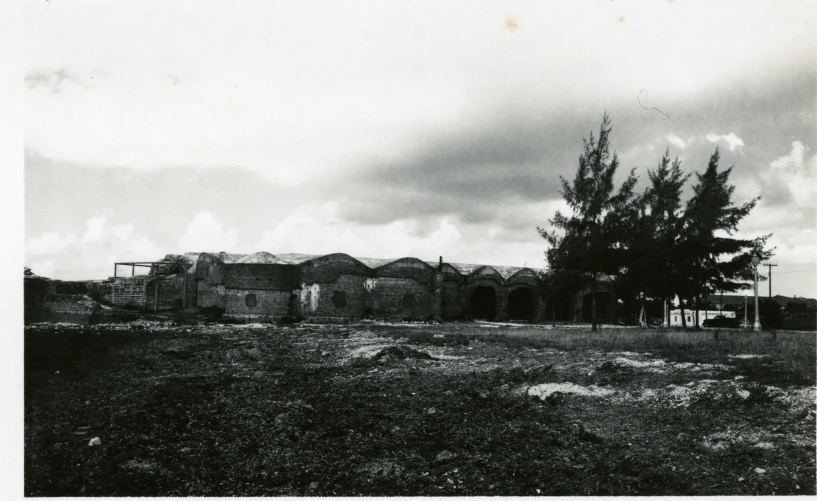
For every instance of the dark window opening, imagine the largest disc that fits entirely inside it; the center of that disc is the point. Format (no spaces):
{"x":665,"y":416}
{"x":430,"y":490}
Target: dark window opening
{"x":409,"y":300}
{"x":339,"y":298}
{"x":522,"y":304}
{"x":251,"y":301}
{"x":483,"y":303}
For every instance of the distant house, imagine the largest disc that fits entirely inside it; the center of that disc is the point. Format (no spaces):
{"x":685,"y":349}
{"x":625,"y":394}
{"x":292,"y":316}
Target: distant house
{"x":675,"y":319}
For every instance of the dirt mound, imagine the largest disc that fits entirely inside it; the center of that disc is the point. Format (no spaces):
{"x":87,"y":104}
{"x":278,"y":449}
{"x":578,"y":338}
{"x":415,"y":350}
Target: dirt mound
{"x":400,"y":353}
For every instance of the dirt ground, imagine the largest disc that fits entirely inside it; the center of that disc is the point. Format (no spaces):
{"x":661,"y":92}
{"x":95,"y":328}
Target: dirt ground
{"x":376,"y":409}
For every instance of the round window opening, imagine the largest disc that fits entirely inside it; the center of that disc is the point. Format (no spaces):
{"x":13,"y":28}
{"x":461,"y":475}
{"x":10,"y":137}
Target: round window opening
{"x":251,"y":301}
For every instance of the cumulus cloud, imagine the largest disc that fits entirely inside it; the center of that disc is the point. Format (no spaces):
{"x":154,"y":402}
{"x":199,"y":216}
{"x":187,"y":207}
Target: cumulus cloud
{"x":206,"y":234}
{"x":91,"y":254}
{"x":376,"y":133}
{"x":676,"y":141}
{"x":735,"y":143}
{"x":794,"y":161}
{"x":792,"y":179}
{"x":52,"y":242}
{"x":141,"y":101}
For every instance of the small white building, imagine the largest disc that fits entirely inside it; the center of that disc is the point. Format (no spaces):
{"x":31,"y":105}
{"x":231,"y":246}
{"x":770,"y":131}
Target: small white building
{"x":675,"y":316}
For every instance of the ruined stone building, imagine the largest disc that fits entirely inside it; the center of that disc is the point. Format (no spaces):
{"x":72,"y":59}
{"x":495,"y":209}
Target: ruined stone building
{"x":265,"y":286}
{"x":270,"y":287}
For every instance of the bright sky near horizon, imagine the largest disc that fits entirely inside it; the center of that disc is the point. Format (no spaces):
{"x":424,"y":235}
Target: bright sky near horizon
{"x":391,"y":129}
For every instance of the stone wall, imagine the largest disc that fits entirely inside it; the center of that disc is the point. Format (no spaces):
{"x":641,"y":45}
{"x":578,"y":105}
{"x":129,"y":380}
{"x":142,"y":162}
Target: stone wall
{"x":327,"y":269}
{"x":334,"y":286}
{"x":169,"y":294}
{"x":345,"y":297}
{"x":274,"y":277}
{"x":70,"y":308}
{"x":401,"y":299}
{"x":210,"y":295}
{"x":125,"y":292}
{"x":267,"y":304}
{"x":35,"y":290}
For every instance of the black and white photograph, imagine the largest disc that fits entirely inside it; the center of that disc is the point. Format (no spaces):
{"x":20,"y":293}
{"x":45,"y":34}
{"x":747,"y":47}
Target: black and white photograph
{"x":411,"y":248}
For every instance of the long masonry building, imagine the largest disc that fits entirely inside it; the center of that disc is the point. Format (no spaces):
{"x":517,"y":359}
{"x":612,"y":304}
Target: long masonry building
{"x":265,"y":286}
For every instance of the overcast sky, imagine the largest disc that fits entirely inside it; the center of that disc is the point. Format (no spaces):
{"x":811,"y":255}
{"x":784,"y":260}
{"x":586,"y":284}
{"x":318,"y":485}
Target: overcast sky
{"x":387,"y":129}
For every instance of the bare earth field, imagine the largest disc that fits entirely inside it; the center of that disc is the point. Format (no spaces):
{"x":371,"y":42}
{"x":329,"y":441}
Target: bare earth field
{"x":378,"y":409}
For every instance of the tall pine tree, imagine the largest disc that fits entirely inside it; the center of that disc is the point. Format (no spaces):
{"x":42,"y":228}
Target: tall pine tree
{"x":594,"y":235}
{"x":712,"y":258}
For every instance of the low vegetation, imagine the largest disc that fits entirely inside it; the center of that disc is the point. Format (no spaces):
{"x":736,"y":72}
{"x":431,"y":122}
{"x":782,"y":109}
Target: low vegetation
{"x":795,"y":350}
{"x":457,"y":409}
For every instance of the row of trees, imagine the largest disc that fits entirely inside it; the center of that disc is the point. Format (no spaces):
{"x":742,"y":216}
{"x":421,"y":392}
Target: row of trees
{"x":650,"y":241}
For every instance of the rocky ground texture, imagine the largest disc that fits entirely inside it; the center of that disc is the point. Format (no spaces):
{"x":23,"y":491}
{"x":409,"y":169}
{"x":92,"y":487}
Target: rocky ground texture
{"x":376,"y":409}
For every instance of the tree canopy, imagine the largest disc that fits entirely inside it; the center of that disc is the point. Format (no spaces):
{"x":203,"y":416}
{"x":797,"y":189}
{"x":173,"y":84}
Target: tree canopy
{"x":651,"y":241}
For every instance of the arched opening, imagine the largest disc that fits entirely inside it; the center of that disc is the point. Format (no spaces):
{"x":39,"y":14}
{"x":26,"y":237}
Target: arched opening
{"x":483,"y":303}
{"x":522,"y":304}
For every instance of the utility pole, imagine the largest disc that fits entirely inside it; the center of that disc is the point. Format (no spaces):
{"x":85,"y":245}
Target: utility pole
{"x":755,"y":263}
{"x":770,"y":280}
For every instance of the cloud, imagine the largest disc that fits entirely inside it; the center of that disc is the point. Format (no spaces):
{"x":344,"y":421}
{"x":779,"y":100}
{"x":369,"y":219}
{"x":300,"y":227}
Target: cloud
{"x":398,"y":73}
{"x":54,"y":80}
{"x":676,"y":141}
{"x":91,"y":254}
{"x":52,"y":242}
{"x":791,"y":179}
{"x":318,"y":229}
{"x":735,"y":143}
{"x":205,"y":234}
{"x":793,"y":162}
{"x":315,"y":128}
{"x":44,"y":268}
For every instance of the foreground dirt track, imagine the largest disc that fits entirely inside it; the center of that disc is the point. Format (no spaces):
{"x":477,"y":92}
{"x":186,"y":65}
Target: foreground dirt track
{"x":224,"y":410}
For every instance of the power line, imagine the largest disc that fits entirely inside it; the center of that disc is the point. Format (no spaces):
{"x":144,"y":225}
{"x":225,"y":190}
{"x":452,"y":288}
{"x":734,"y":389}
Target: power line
{"x":795,"y":271}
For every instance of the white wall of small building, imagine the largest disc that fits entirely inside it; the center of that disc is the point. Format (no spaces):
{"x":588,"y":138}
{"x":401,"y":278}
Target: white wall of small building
{"x":675,"y":316}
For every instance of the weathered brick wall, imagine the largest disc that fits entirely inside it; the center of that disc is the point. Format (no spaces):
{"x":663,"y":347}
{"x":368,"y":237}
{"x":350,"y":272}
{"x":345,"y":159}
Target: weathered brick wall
{"x":70,"y":308}
{"x":407,"y":268}
{"x":524,"y":277}
{"x":401,"y":298}
{"x":209,"y":295}
{"x":451,"y":303}
{"x":69,"y":287}
{"x":210,"y":268}
{"x":190,"y":299}
{"x":275,"y":277}
{"x":257,"y":303}
{"x":168,"y":295}
{"x":319,"y":299}
{"x":328,"y":269}
{"x":127,"y":292}
{"x":35,"y":289}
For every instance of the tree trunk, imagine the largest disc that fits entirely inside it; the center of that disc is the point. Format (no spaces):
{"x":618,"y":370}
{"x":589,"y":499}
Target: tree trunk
{"x":593,"y":314}
{"x":697,"y":309}
{"x":683,"y":314}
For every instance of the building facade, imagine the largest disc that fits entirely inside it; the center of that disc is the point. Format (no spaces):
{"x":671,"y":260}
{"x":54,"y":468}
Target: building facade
{"x":266,"y":286}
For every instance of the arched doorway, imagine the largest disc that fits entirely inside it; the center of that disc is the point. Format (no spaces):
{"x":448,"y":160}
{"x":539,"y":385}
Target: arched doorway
{"x":482,"y":304}
{"x":522,"y":304}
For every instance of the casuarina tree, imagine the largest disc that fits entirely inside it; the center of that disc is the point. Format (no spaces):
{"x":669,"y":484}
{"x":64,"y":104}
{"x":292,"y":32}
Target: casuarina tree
{"x":664,"y":224}
{"x":712,"y":258}
{"x":592,"y":239}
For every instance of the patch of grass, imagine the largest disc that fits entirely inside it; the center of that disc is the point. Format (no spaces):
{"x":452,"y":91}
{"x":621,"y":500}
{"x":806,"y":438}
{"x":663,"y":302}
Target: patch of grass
{"x":797,"y":349}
